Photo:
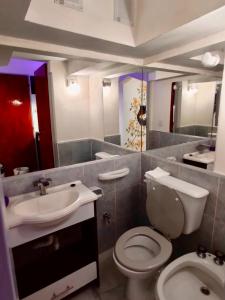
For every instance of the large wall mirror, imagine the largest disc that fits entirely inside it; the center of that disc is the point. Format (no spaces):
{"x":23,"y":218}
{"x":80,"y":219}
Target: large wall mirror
{"x":57,"y":111}
{"x":195,"y":108}
{"x":182,"y":103}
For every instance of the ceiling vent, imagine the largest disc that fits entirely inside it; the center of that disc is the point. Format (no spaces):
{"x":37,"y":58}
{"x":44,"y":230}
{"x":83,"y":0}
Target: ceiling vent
{"x":74,"y":4}
{"x":124,"y":11}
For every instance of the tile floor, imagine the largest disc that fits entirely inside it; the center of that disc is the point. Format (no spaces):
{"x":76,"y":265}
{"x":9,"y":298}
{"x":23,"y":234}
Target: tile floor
{"x":112,"y":283}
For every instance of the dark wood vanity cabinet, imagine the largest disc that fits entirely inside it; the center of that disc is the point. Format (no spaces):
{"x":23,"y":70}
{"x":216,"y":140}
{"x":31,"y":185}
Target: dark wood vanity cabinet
{"x":46,"y":260}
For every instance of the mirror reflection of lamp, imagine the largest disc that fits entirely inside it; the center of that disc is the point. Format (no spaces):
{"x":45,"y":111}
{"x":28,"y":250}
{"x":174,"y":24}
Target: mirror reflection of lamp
{"x":16,"y":102}
{"x":211,"y":59}
{"x":106,"y":83}
{"x":73,"y":85}
{"x":192,"y":89}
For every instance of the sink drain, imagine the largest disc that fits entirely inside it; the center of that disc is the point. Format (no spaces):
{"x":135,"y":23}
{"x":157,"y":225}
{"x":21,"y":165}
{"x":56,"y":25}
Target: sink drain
{"x":205,"y":290}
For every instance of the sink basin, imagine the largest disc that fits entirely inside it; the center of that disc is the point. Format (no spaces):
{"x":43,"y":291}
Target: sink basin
{"x":59,"y":203}
{"x":203,"y":160}
{"x":191,"y":277}
{"x":206,"y":157}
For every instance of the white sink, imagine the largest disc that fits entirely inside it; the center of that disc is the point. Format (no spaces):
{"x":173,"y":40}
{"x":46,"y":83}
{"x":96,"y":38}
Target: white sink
{"x":205,"y":157}
{"x":59,"y":203}
{"x":192,"y":277}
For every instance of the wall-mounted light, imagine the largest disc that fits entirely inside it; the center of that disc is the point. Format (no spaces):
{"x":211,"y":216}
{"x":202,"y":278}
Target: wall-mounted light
{"x":192,"y":89}
{"x":211,"y":59}
{"x":73,"y":84}
{"x":16,"y":102}
{"x":106,"y":82}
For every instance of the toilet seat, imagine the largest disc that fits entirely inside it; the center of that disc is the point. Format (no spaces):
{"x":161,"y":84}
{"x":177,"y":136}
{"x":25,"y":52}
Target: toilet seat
{"x":141,"y":249}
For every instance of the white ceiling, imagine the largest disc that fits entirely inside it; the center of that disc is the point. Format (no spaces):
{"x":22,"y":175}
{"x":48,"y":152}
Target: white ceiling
{"x":12,"y":24}
{"x":12,"y":15}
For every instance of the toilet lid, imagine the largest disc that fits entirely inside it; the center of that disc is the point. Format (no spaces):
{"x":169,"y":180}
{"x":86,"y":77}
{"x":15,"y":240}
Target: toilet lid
{"x":165,"y":210}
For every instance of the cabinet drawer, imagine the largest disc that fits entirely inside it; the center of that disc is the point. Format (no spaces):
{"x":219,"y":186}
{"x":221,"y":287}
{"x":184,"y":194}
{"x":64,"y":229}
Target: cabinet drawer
{"x":66,"y":285}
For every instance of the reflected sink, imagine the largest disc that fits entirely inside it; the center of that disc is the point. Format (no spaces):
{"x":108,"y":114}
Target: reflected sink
{"x":203,"y":160}
{"x":58,"y":204}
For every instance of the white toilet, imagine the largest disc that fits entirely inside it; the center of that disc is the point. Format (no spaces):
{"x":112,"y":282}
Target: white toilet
{"x":174,"y":207}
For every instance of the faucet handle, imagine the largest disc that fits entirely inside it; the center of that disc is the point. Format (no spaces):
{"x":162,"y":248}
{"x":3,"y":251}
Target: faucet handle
{"x":43,"y":181}
{"x":220,"y":258}
{"x":36,"y":183}
{"x":201,"y":251}
{"x":46,"y":181}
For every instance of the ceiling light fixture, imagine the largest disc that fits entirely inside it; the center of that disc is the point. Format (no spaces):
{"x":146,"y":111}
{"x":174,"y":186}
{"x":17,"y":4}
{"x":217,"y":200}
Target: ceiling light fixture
{"x":211,"y":59}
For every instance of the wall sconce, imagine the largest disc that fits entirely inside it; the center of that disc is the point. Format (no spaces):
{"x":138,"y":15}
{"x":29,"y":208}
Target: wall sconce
{"x":192,"y":89}
{"x":16,"y":102}
{"x":106,"y":82}
{"x":73,"y":85}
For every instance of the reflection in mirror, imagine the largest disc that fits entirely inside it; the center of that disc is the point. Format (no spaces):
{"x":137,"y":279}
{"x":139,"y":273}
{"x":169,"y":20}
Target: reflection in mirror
{"x":26,"y":139}
{"x":182,"y":109}
{"x":124,"y":98}
{"x":64,"y":111}
{"x":195,"y":108}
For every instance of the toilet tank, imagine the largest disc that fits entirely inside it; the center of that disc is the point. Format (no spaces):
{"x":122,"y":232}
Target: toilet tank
{"x":104,"y":155}
{"x":193,"y":199}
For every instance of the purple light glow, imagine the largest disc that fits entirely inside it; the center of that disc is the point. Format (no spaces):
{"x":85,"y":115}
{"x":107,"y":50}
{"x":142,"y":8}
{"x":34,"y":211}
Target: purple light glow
{"x":135,"y":75}
{"x":20,"y":66}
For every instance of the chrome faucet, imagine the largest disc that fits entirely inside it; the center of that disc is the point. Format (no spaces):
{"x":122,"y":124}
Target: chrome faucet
{"x":42,"y":184}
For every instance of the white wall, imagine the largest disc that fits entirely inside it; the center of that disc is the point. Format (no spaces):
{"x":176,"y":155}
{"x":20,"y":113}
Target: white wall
{"x":160,"y":99}
{"x":187,"y":104}
{"x":157,"y":17}
{"x":197,"y":108}
{"x":96,"y":121}
{"x":205,"y":102}
{"x":71,"y":110}
{"x":111,"y":108}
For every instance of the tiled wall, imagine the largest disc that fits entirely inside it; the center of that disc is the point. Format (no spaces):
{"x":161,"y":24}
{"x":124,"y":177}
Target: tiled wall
{"x":124,"y":199}
{"x":121,"y":197}
{"x":159,"y":139}
{"x":178,"y":151}
{"x":114,"y":139}
{"x":74,"y":152}
{"x":99,"y":146}
{"x":198,"y":130}
{"x":212,"y":230}
{"x":79,"y":151}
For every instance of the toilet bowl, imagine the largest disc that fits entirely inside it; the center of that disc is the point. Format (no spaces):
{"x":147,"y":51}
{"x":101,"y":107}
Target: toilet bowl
{"x":192,"y":277}
{"x":138,"y":254}
{"x":174,"y":207}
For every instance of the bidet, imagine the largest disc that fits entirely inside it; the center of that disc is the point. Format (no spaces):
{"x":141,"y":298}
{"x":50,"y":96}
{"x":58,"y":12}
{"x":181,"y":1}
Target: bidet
{"x":192,"y":277}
